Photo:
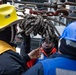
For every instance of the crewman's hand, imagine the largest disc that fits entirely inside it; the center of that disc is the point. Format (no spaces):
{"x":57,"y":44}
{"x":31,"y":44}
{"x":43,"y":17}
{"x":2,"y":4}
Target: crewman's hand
{"x":34,"y":54}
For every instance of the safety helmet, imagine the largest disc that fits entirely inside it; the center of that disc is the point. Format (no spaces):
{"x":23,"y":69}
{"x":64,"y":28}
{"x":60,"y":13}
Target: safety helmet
{"x":8,"y":16}
{"x":69,"y":32}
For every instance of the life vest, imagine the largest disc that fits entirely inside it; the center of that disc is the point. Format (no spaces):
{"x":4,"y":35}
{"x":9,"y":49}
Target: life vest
{"x":5,"y":47}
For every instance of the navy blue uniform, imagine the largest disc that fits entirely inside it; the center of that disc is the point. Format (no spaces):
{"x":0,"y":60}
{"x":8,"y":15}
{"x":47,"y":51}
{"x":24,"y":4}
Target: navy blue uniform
{"x":11,"y":63}
{"x":55,"y":66}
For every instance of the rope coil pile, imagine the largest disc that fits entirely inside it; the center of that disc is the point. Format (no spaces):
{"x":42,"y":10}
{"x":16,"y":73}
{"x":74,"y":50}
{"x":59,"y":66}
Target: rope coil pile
{"x":38,"y":25}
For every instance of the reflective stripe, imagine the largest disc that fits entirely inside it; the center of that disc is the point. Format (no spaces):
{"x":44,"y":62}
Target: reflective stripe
{"x":71,"y":43}
{"x":64,"y":72}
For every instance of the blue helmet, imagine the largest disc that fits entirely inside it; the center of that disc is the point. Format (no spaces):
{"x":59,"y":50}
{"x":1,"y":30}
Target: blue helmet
{"x":70,"y":32}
